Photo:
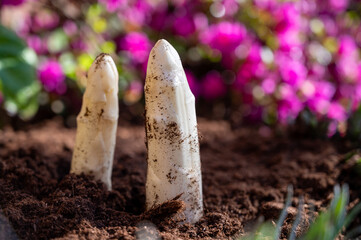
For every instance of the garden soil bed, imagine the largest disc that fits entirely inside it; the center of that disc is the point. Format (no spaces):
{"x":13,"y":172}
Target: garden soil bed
{"x":245,"y":178}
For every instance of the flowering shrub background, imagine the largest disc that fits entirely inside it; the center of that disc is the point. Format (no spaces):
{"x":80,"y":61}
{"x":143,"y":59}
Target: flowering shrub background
{"x":271,"y":60}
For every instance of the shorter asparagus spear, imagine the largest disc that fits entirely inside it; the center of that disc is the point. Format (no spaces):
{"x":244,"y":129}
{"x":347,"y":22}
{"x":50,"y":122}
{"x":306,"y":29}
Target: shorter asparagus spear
{"x":97,"y":122}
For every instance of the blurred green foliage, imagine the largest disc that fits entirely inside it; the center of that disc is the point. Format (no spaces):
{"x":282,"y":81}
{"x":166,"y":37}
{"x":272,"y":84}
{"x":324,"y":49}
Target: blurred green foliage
{"x":327,"y":226}
{"x":18,"y":75}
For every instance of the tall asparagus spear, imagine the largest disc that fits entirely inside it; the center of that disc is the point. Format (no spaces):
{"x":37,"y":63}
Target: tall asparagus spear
{"x":97,"y":122}
{"x":171,"y":132}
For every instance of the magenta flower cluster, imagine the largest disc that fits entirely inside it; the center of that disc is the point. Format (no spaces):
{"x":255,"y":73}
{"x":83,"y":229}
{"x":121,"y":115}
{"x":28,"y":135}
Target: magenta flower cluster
{"x":279,"y":58}
{"x":52,"y":77}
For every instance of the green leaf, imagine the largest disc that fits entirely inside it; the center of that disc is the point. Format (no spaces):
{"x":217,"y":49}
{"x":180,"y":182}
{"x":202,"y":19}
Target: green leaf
{"x":11,"y":45}
{"x":18,"y":81}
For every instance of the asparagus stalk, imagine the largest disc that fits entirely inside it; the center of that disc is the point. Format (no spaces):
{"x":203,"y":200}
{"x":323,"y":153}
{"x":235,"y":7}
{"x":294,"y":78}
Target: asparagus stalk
{"x":171,"y":133}
{"x":97,"y":122}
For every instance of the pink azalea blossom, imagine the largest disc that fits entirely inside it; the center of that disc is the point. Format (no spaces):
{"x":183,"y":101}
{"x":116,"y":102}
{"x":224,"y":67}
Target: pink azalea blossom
{"x":269,"y":85}
{"x":288,"y":16}
{"x":318,"y":105}
{"x":45,"y":20}
{"x":288,"y":38}
{"x":193,"y":84}
{"x":137,"y":45}
{"x":112,"y":5}
{"x":337,"y":112}
{"x":266,"y":4}
{"x":200,"y":21}
{"x":292,"y":71}
{"x":136,"y":13}
{"x":158,"y":20}
{"x":253,"y":67}
{"x":330,"y":25}
{"x":348,"y":69}
{"x":213,"y":85}
{"x":332,"y":128}
{"x":70,"y":28}
{"x":224,"y":36}
{"x":347,"y":46}
{"x":78,"y":44}
{"x":288,"y":109}
{"x":231,"y":7}
{"x":184,"y":25}
{"x":52,"y":77}
{"x":37,"y":44}
{"x":338,"y":5}
{"x":319,"y":102}
{"x":12,"y":2}
{"x":289,"y":104}
{"x":324,"y":89}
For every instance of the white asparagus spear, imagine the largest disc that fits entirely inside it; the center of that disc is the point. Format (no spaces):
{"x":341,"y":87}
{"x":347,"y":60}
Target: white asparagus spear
{"x":171,"y":132}
{"x":97,"y":122}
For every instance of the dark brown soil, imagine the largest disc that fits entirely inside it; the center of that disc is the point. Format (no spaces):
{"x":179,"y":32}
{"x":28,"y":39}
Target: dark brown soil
{"x":245,"y":176}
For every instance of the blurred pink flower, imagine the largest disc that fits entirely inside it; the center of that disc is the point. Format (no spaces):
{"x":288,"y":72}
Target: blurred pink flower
{"x":330,"y":25}
{"x":200,"y":21}
{"x":336,"y":112}
{"x":136,"y":13}
{"x":289,"y":25}
{"x":231,"y":7}
{"x":184,"y":25}
{"x":78,"y":44}
{"x":224,"y":36}
{"x":254,"y":54}
{"x":158,"y":20}
{"x":319,"y":101}
{"x":288,"y":38}
{"x":193,"y":84}
{"x":266,"y":4}
{"x":12,"y":2}
{"x":352,"y":92}
{"x":324,"y":89}
{"x":70,"y":28}
{"x":318,"y":105}
{"x":289,"y":108}
{"x":134,"y":16}
{"x":45,"y":20}
{"x":137,"y":45}
{"x":317,"y":71}
{"x":347,"y":46}
{"x":348,"y":69}
{"x":338,"y":5}
{"x":347,"y":64}
{"x":52,"y":77}
{"x":308,"y":7}
{"x":37,"y":44}
{"x":292,"y":71}
{"x":112,"y":5}
{"x":287,"y":16}
{"x":269,"y":85}
{"x":332,"y":128}
{"x":213,"y":85}
{"x":289,"y":105}
{"x":252,"y":67}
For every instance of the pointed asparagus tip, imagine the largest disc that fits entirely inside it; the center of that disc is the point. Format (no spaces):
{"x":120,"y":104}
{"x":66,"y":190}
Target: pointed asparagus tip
{"x":104,"y":68}
{"x":164,"y":57}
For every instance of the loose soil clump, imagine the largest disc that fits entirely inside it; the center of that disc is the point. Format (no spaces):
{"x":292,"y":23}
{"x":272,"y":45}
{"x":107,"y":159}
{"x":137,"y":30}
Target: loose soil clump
{"x":245,"y":178}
